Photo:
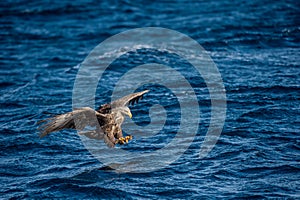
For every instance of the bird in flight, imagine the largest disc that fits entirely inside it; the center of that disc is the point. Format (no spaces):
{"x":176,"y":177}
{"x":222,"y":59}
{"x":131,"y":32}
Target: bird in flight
{"x":103,"y":123}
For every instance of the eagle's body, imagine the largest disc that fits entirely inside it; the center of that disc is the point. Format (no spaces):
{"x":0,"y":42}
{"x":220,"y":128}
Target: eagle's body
{"x":105,"y":122}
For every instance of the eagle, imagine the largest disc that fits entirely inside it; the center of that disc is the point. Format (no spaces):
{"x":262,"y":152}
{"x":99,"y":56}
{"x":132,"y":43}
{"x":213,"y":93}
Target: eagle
{"x":101,"y":124}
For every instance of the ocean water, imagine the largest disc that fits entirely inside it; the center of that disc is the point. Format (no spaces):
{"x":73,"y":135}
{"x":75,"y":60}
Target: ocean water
{"x":254,"y":44}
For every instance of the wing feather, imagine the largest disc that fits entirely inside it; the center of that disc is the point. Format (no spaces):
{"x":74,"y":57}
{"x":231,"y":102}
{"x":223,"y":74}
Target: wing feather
{"x":77,"y":119}
{"x":129,"y":99}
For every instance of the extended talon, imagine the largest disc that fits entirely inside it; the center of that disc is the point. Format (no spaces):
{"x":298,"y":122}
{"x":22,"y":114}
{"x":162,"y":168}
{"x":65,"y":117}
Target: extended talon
{"x":121,"y":140}
{"x":127,"y":138}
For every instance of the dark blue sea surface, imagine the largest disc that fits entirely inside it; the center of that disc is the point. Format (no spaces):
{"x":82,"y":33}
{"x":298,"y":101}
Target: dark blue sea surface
{"x":255,"y":45}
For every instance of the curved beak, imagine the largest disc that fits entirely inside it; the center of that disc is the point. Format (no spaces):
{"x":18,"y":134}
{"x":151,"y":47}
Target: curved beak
{"x":129,"y":114}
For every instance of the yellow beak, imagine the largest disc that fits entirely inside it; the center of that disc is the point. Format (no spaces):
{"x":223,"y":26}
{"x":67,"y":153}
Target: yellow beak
{"x":129,"y":114}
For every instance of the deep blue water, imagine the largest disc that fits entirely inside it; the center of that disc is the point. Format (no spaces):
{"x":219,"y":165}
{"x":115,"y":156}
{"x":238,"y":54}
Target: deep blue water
{"x":255,"y":45}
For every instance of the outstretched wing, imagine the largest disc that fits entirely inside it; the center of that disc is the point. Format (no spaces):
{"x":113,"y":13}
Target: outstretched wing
{"x":77,"y":119}
{"x":129,"y":99}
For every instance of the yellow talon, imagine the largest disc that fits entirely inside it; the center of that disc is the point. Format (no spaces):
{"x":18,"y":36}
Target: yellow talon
{"x":123,"y":140}
{"x":127,"y":138}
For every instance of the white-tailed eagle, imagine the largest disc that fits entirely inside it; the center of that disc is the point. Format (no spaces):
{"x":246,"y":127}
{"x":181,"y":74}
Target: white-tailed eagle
{"x":103,"y":123}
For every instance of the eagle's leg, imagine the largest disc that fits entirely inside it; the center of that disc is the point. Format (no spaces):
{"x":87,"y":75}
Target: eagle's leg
{"x":109,"y":138}
{"x":120,"y":138}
